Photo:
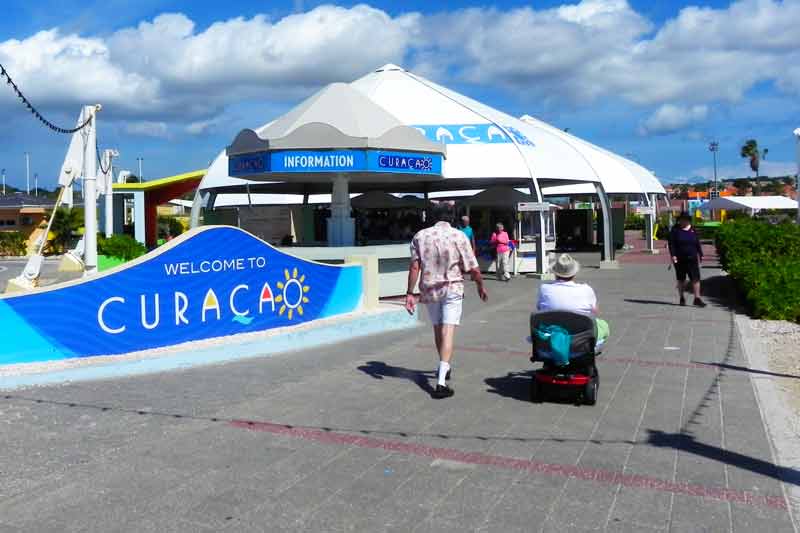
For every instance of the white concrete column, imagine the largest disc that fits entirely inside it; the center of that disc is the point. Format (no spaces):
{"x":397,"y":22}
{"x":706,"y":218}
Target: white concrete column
{"x":341,"y":226}
{"x":370,"y":279}
{"x":138,"y":217}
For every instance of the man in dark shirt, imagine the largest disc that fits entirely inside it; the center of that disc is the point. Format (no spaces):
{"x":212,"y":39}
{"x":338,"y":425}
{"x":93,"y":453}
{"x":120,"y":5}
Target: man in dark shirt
{"x":686,"y":253}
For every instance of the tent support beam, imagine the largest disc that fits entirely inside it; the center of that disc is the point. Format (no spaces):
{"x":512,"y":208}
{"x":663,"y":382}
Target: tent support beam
{"x":197,"y":205}
{"x":607,"y":260}
{"x":649,"y":224}
{"x":542,"y":264}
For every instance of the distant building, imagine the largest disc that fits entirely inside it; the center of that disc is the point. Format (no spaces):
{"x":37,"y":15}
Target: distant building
{"x":24,"y":213}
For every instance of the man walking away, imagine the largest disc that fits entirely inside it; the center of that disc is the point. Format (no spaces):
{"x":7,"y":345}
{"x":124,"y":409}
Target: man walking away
{"x":442,"y":254}
{"x":500,"y":241}
{"x":466,"y":229}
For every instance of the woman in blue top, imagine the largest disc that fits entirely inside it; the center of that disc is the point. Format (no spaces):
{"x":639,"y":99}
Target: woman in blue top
{"x":686,"y":253}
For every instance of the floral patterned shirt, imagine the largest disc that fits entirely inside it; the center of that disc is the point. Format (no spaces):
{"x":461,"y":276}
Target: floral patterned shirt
{"x":444,"y":254}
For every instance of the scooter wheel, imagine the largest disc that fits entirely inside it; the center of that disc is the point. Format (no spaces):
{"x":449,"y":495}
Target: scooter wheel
{"x":590,"y":391}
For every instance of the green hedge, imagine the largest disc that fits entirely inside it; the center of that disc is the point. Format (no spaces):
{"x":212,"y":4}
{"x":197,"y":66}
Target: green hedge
{"x":633,"y":221}
{"x":764,"y":260}
{"x":13,"y":243}
{"x":120,"y":246}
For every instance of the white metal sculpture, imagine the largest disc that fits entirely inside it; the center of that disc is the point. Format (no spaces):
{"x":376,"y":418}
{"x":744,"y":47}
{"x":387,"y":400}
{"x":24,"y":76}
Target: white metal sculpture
{"x":80,"y":162}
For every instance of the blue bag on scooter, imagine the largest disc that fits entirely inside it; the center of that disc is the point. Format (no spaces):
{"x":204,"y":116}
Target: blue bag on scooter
{"x":560,"y":341}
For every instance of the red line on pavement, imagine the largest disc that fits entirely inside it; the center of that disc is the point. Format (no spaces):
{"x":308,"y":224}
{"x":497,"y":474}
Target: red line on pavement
{"x":622,"y":360}
{"x":605,"y":477}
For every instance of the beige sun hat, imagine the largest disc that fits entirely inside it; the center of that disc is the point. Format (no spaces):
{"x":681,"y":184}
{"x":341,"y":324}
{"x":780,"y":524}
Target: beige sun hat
{"x":565,"y":266}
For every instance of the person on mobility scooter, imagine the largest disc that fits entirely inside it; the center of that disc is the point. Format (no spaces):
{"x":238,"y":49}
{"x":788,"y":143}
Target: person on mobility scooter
{"x":566,"y":335}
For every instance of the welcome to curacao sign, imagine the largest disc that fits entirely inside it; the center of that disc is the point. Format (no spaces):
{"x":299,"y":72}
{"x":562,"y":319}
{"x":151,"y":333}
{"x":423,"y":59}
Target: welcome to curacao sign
{"x":213,"y":281}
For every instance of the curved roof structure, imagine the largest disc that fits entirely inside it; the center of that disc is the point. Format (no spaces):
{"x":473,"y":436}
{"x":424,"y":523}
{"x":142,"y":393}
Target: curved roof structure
{"x":618,"y":174}
{"x":483,"y":144}
{"x":485,"y":147}
{"x":740,"y":203}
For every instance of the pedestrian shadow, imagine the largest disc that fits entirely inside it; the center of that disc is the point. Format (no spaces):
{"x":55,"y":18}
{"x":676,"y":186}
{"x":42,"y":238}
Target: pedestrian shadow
{"x":648,"y":302}
{"x":687,"y":443}
{"x":746,"y":369}
{"x":515,"y":385}
{"x":380,"y":370}
{"x":720,"y":290}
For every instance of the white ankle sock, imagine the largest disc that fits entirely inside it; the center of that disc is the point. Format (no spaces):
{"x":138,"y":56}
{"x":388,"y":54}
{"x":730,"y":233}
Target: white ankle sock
{"x":443,"y":368}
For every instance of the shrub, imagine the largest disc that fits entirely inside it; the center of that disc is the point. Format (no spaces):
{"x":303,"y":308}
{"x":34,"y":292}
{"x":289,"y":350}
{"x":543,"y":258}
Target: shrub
{"x":764,"y":260}
{"x":13,"y":243}
{"x":121,"y":246}
{"x":169,"y":226}
{"x":634,"y":221}
{"x":663,"y":226}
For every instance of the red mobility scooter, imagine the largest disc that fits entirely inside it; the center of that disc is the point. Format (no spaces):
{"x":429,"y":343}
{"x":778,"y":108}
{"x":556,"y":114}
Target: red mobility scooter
{"x":572,"y":374}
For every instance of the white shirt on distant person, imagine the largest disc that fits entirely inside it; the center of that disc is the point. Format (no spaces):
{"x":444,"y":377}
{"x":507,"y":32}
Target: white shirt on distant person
{"x":567,"y":296}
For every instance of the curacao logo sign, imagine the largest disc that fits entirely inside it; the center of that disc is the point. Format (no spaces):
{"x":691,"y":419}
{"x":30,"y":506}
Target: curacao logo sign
{"x":212,"y":282}
{"x":293,"y":294}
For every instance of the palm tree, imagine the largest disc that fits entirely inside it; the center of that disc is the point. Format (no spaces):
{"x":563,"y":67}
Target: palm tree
{"x":65,"y":224}
{"x":751,"y":151}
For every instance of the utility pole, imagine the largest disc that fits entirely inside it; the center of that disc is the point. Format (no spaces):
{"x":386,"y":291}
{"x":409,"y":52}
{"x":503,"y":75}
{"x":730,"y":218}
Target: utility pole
{"x":797,"y":176}
{"x":27,"y":172}
{"x":713,"y":147}
{"x":140,"y":159}
{"x":4,"y":182}
{"x":36,"y":184}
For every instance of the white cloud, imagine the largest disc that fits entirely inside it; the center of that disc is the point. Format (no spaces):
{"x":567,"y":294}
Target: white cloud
{"x":165,"y":68}
{"x":604,"y":48}
{"x":67,"y":71}
{"x":201,"y":127}
{"x":158,"y":130}
{"x":670,"y":118}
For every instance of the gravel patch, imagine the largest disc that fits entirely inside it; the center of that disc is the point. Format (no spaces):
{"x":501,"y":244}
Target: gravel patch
{"x":781,"y":343}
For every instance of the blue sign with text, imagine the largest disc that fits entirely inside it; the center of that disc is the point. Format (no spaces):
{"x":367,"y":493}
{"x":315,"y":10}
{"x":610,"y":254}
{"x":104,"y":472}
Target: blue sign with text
{"x":307,"y":161}
{"x":213,"y":281}
{"x":473,"y":134}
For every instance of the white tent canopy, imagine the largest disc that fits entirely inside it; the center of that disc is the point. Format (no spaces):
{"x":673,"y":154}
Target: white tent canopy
{"x":497,"y":197}
{"x":751,"y":203}
{"x":618,"y":174}
{"x":483,"y":144}
{"x":484,"y":147}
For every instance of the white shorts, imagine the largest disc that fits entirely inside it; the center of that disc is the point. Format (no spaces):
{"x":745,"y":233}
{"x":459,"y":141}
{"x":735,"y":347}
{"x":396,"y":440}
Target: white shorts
{"x":446,"y":311}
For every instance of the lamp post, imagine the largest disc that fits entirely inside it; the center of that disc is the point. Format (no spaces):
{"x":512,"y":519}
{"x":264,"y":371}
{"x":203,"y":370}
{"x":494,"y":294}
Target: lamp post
{"x":713,"y":147}
{"x":36,"y":184}
{"x":27,"y":172}
{"x":140,"y":159}
{"x":797,"y":176}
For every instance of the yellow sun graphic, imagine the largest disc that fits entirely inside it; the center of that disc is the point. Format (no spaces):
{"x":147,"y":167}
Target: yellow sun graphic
{"x":300,"y":299}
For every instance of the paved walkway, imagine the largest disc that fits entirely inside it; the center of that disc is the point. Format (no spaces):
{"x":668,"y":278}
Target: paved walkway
{"x":348,"y":439}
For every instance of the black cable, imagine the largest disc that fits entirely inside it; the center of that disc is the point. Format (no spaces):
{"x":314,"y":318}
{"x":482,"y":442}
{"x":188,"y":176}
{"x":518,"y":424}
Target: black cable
{"x":99,"y":162}
{"x":34,"y":111}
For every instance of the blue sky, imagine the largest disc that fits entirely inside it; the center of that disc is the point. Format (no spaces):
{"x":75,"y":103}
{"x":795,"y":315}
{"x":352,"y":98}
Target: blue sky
{"x":656,"y":80}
